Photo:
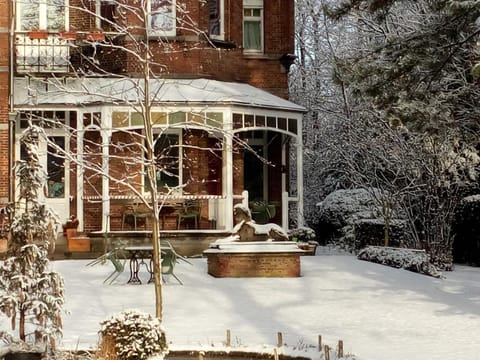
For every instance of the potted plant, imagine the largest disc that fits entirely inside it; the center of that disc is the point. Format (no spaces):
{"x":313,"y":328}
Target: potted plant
{"x":31,"y":295}
{"x":305,"y":239}
{"x":262,"y":211}
{"x":38,"y":35}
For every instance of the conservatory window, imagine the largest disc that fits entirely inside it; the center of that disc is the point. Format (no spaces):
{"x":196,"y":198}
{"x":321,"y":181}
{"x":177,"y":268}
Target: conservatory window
{"x":253,"y":25}
{"x":48,"y":15}
{"x":162,"y":19}
{"x":168,"y":161}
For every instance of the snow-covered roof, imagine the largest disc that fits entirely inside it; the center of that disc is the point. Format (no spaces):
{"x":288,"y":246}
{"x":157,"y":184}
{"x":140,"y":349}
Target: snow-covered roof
{"x":90,"y":91}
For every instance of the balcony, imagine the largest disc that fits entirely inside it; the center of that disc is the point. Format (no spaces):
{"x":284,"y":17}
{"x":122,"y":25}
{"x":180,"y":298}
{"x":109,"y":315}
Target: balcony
{"x":42,"y":52}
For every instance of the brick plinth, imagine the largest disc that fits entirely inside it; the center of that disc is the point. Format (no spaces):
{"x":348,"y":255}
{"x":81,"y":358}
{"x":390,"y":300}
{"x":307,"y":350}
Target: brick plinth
{"x":253,"y":264}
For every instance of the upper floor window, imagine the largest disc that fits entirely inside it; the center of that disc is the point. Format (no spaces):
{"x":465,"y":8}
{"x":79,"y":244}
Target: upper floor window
{"x":162,"y":19}
{"x":253,"y":25}
{"x":106,"y":15}
{"x":48,"y":15}
{"x":215,"y":24}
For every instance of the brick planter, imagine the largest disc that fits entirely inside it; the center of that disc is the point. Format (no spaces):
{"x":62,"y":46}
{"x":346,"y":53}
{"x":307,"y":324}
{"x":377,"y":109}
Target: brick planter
{"x":254,"y":259}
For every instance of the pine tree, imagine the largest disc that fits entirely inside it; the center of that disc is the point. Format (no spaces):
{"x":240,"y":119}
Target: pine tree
{"x":31,"y":295}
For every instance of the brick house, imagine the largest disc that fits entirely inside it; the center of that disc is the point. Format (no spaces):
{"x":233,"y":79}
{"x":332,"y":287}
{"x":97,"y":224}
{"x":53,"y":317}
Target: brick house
{"x":217,"y":94}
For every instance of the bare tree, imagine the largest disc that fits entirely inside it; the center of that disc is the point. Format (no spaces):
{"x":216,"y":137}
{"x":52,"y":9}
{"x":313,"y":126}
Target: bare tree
{"x":132,"y":158}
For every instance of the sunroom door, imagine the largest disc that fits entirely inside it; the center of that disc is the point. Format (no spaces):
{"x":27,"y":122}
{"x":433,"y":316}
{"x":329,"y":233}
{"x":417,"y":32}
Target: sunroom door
{"x":55,"y":193}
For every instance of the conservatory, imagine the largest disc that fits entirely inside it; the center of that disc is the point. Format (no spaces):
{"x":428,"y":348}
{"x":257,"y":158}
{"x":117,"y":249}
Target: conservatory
{"x":215,"y":144}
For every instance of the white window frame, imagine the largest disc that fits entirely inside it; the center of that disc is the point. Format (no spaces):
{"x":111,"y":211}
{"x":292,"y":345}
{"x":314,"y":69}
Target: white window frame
{"x":42,"y":15}
{"x":172,"y":15}
{"x":98,"y":12}
{"x":254,"y":4}
{"x":221,"y":35}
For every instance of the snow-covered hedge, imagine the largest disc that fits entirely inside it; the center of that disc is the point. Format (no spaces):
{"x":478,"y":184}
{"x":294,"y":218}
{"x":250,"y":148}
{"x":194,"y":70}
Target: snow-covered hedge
{"x":371,"y":232}
{"x":408,"y":259}
{"x":343,"y":207}
{"x":136,"y":335}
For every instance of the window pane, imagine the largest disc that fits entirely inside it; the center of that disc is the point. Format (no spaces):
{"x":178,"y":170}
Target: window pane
{"x":136,"y":119}
{"x":214,"y":19}
{"x":55,"y":15}
{"x":256,"y":12}
{"x":120,"y":119}
{"x":163,"y":15}
{"x":252,"y":35}
{"x":29,"y":13}
{"x":56,"y":167}
{"x":177,"y":117}
{"x":159,"y":118}
{"x":167,"y":160}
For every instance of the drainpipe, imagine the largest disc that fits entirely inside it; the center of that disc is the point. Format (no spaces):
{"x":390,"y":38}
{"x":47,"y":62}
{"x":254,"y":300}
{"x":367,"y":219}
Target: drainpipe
{"x":12,"y":114}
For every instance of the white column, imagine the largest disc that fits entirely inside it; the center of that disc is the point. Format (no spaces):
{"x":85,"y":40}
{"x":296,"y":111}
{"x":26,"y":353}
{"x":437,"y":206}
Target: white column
{"x":106,"y":136}
{"x":299,"y":173}
{"x":284,"y":204}
{"x":228,"y":181}
{"x":80,"y":173}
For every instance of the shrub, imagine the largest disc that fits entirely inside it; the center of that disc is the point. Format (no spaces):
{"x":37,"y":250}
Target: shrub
{"x":135,"y":335}
{"x":302,"y":234}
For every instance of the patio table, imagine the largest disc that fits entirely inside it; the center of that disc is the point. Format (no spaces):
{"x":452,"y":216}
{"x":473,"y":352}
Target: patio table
{"x":143,"y":255}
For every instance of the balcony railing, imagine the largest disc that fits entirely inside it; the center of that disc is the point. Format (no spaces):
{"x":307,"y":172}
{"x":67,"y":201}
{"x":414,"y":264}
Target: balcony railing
{"x":42,"y":52}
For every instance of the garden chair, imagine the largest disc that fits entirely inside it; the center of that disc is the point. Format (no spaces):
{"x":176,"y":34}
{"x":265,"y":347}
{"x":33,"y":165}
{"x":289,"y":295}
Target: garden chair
{"x":117,"y":257}
{"x":169,"y":260}
{"x":191,"y":211}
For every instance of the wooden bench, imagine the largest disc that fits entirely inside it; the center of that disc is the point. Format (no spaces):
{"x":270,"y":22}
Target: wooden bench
{"x":77,"y":242}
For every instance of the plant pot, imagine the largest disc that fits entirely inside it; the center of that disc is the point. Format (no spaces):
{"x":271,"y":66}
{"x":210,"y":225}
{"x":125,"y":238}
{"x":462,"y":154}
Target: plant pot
{"x":96,"y":36}
{"x":67,"y":35}
{"x":38,"y":35}
{"x":3,"y":245}
{"x":23,"y":356}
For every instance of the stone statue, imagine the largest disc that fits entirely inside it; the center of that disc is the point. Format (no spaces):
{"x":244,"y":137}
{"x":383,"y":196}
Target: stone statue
{"x":247,"y":230}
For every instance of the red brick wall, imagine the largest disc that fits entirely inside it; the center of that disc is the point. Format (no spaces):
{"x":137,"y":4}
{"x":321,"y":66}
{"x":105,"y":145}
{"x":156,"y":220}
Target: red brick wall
{"x":190,"y":55}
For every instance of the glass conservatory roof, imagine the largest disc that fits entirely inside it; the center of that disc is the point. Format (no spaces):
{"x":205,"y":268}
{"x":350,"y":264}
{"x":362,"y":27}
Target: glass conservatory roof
{"x":95,"y":91}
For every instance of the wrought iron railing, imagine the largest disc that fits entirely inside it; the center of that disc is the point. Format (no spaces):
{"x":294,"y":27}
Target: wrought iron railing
{"x":42,"y":52}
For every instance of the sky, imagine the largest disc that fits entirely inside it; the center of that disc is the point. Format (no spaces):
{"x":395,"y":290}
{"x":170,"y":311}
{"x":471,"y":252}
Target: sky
{"x":379,"y":313}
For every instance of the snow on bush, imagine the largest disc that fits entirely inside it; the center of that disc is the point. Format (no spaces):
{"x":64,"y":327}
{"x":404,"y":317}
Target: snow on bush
{"x":136,"y":335}
{"x":342,"y":207}
{"x":302,"y":234}
{"x":408,"y":259}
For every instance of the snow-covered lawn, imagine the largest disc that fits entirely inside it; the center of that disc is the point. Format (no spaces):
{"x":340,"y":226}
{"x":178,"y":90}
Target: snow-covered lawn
{"x":379,"y":312}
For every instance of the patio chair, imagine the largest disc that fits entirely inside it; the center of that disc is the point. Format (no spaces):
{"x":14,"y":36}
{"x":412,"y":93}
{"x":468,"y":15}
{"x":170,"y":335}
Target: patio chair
{"x":135,"y":212}
{"x":169,"y":260}
{"x":191,"y":211}
{"x":114,"y":256}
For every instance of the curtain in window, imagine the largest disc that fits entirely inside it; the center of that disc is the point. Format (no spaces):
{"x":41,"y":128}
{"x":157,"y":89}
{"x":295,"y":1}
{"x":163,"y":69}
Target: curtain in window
{"x":214,"y":22}
{"x":252,"y":35}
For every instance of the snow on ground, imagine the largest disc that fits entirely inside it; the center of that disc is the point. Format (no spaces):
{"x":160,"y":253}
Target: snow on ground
{"x":379,"y":312}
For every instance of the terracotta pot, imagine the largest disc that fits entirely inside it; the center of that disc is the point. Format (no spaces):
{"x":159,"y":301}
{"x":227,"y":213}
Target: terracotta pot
{"x":39,"y":35}
{"x":3,"y":245}
{"x":96,"y":36}
{"x":67,"y":35}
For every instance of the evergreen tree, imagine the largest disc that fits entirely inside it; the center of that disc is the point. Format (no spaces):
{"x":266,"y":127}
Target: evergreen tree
{"x":31,"y":295}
